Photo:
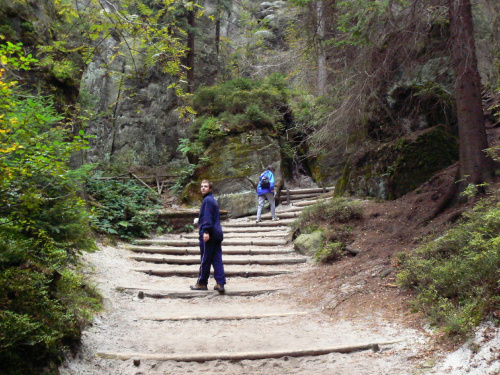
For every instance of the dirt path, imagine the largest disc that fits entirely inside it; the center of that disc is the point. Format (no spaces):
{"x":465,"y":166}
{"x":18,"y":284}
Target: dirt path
{"x":155,"y":325}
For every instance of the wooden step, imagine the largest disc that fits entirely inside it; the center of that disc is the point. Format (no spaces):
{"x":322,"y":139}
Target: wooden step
{"x":282,"y":215}
{"x":190,"y":294}
{"x":254,"y":228}
{"x":308,"y":191}
{"x":228,"y":242}
{"x":224,"y":317}
{"x":244,"y":250}
{"x":298,"y":197}
{"x":227,"y":261}
{"x":253,"y":224}
{"x":228,"y":273}
{"x":235,"y":356}
{"x":227,"y":235}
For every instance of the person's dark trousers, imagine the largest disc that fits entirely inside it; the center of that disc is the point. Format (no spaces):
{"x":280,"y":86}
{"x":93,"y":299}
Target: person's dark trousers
{"x":211,"y":254}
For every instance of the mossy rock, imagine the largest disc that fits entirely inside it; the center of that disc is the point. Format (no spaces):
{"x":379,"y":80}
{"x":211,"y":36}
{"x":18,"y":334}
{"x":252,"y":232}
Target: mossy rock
{"x":309,"y":244}
{"x":235,"y":163}
{"x":399,"y":167}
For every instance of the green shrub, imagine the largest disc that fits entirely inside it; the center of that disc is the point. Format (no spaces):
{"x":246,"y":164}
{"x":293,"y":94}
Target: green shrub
{"x":332,"y":251}
{"x":125,"y":209}
{"x":333,"y":211}
{"x":331,"y":217}
{"x":457,"y":276}
{"x":43,"y":227}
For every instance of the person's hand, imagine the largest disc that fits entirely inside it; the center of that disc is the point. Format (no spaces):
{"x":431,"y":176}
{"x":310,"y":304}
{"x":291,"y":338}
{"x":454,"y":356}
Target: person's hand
{"x":206,"y":237}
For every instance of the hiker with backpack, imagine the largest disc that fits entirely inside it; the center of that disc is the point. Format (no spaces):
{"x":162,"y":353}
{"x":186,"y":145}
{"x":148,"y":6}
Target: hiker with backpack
{"x":265,"y":190}
{"x":211,"y":237}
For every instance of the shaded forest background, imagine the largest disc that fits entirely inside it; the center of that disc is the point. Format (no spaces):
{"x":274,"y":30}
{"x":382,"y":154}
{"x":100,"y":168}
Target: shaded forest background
{"x":372,"y":97}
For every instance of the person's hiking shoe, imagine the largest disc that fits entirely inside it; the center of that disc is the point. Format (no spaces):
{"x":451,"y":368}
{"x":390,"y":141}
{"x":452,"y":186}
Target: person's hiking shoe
{"x":219,"y":288}
{"x":198,"y":287}
{"x":276,"y":218}
{"x":258,"y":221}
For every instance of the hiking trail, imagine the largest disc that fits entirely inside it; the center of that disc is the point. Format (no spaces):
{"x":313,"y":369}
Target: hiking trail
{"x":153,"y":323}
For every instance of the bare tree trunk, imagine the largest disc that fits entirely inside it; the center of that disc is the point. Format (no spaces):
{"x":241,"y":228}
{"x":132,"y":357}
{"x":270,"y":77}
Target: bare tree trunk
{"x":475,"y":166}
{"x":190,"y":53}
{"x":321,"y":52}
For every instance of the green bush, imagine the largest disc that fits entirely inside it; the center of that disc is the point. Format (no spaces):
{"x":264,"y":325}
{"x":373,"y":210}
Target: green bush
{"x":43,"y":226}
{"x":456,"y":277}
{"x":120,"y":208}
{"x":331,"y":217}
{"x":327,"y":212}
{"x":332,"y":251}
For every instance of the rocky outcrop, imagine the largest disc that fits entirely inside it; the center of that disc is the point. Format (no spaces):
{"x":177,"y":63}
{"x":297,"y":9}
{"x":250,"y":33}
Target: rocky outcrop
{"x":234,"y":164}
{"x":399,"y":167}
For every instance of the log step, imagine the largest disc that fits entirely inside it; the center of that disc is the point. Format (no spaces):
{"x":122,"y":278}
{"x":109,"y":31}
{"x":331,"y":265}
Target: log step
{"x":242,"y":235}
{"x":227,"y":317}
{"x":283,"y":215}
{"x":298,"y":197}
{"x":196,"y":250}
{"x":228,"y":242}
{"x":262,"y":224}
{"x":204,"y":357}
{"x":159,"y":294}
{"x":308,"y":191}
{"x":254,"y":229}
{"x":194,"y":272}
{"x":227,"y":261}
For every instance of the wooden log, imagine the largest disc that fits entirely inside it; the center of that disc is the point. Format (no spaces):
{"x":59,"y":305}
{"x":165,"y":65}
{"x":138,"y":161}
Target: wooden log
{"x":227,"y":317}
{"x":298,"y":197}
{"x":158,"y":294}
{"x":228,"y":242}
{"x":228,"y":261}
{"x":194,"y":273}
{"x":243,"y":224}
{"x":142,"y":182}
{"x":254,"y":229}
{"x":353,"y":251}
{"x":227,"y":235}
{"x":309,"y":191}
{"x":205,"y":357}
{"x":196,"y":251}
{"x":282,"y":215}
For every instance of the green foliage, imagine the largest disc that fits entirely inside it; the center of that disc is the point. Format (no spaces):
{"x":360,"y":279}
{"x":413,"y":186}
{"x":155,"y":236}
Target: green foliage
{"x":331,"y":252}
{"x":331,"y":217}
{"x":457,"y":276}
{"x":43,"y":227}
{"x":264,"y":98}
{"x":120,"y":208}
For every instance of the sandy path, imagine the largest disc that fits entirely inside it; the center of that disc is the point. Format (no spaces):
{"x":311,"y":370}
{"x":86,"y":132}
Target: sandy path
{"x":139,"y":328}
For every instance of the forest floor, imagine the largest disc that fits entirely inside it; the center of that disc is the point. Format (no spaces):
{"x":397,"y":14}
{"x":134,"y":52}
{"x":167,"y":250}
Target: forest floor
{"x":350,"y":302}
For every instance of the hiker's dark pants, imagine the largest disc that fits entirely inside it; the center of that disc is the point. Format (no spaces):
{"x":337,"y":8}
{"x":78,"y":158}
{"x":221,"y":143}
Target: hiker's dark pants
{"x":211,"y":254}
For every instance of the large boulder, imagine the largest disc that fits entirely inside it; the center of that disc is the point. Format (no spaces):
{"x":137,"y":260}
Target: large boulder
{"x":309,"y":244}
{"x":238,"y":204}
{"x":398,"y":167}
{"x":234,"y":164}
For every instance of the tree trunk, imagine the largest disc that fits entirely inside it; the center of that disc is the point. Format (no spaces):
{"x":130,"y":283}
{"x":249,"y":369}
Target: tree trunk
{"x":475,"y":166}
{"x":320,"y":8}
{"x":190,"y":53}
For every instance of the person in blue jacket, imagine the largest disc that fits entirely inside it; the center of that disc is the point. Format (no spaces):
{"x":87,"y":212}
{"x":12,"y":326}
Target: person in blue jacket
{"x":211,"y":237}
{"x":264,"y":193}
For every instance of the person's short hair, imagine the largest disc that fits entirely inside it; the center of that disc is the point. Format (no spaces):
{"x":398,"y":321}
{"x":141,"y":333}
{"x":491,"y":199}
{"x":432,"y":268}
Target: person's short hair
{"x":271,"y":168}
{"x":210,"y":184}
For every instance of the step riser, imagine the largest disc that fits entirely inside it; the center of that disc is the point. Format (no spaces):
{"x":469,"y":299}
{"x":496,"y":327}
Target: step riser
{"x":196,"y":251}
{"x":228,"y":273}
{"x":229,"y":242}
{"x":226,"y":261}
